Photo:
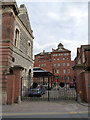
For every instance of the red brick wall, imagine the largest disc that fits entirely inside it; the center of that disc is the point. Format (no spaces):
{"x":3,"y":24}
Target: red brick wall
{"x":82,"y":73}
{"x":14,"y":86}
{"x":49,"y":61}
{"x":10,"y":88}
{"x":87,"y":82}
{"x":61,"y":61}
{"x":6,"y":51}
{"x":17,"y":73}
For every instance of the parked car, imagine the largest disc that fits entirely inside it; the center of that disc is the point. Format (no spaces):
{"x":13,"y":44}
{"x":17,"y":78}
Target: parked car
{"x":72,"y":84}
{"x":46,"y":87}
{"x":39,"y":90}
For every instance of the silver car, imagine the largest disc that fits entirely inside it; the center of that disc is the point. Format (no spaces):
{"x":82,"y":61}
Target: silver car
{"x":37,"y":91}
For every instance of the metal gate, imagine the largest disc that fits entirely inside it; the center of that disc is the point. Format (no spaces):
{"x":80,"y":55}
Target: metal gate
{"x":53,"y":92}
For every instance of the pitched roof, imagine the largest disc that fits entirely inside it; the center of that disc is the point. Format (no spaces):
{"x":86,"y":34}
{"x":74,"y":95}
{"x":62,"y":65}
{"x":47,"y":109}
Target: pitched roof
{"x":61,"y":50}
{"x":23,"y":16}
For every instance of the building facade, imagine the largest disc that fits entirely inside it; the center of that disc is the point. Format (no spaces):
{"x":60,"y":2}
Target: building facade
{"x":16,"y":46}
{"x":57,"y":62}
{"x":82,"y":73}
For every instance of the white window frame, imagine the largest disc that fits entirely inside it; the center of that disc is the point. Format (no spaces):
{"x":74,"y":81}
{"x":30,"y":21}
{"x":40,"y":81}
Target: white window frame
{"x":54,"y":65}
{"x":63,"y":64}
{"x":68,"y":64}
{"x":58,"y":64}
{"x":64,"y":71}
{"x":63,"y":58}
{"x":57,"y":70}
{"x":68,"y":70}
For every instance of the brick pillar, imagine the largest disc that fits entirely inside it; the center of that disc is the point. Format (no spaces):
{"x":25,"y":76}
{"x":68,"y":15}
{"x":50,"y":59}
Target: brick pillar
{"x":10,"y":88}
{"x":87,"y":85}
{"x":17,"y":70}
{"x":6,"y":48}
{"x":79,"y":84}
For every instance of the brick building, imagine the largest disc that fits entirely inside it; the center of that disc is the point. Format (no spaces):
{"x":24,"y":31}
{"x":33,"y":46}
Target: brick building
{"x":57,"y":62}
{"x":82,"y":72}
{"x":16,"y":51}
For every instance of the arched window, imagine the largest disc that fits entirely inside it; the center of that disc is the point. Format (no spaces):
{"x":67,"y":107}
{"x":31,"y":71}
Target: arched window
{"x":29,"y":72}
{"x":17,"y":37}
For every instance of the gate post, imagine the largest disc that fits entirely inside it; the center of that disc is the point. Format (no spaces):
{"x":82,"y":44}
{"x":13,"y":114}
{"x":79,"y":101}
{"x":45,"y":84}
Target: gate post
{"x":48,"y":88}
{"x":21,"y":88}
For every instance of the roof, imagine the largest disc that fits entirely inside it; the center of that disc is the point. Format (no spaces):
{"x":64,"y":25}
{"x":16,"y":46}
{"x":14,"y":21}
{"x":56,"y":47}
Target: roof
{"x":39,"y":72}
{"x":60,"y":44}
{"x":61,"y":50}
{"x":44,"y":53}
{"x":23,"y":16}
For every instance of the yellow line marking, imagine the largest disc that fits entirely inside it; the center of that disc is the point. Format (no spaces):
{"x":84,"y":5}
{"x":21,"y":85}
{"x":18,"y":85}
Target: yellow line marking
{"x":42,"y":113}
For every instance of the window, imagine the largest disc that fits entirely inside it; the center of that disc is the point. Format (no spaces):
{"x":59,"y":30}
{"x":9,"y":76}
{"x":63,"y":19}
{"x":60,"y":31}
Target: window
{"x":53,"y":54}
{"x":68,"y":70}
{"x":68,"y":64}
{"x":39,"y":61}
{"x":56,"y":54}
{"x":59,"y":54}
{"x":63,"y":64}
{"x":13,"y":59}
{"x":54,"y":59}
{"x":62,"y":54}
{"x":57,"y":71}
{"x":58,"y":64}
{"x":68,"y":77}
{"x":64,"y":71}
{"x":65,"y":54}
{"x":65,"y":78}
{"x":29,"y":49}
{"x":49,"y":60}
{"x":39,"y":65}
{"x":63,"y":58}
{"x":83,"y":57}
{"x":44,"y":65}
{"x":54,"y":65}
{"x":17,"y":37}
{"x":67,"y":58}
{"x":58,"y":59}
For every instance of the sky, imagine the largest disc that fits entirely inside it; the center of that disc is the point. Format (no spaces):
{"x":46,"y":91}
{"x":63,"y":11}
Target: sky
{"x":58,"y":22}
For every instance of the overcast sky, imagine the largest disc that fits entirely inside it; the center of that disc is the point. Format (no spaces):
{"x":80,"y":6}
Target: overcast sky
{"x":55,"y":22}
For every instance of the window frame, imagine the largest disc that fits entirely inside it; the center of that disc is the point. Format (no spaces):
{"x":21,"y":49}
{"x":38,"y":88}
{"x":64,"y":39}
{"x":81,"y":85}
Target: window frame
{"x":15,"y":38}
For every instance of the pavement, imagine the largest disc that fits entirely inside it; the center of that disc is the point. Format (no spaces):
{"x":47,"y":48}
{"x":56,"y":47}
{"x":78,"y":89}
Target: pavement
{"x":59,"y":109}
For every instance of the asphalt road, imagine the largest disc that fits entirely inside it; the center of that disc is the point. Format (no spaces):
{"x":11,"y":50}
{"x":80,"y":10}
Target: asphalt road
{"x":83,"y":114}
{"x":60,"y":109}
